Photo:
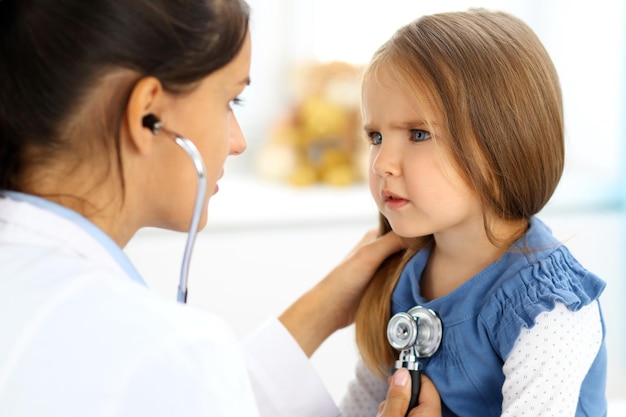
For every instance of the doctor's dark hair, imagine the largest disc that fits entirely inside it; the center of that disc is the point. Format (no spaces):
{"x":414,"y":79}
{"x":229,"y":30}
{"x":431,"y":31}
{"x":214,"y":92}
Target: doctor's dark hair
{"x":53,"y":53}
{"x":498,"y":94}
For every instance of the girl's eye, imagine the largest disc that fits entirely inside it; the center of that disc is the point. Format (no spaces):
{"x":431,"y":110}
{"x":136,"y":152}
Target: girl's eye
{"x":375,"y":138}
{"x":418,"y":135}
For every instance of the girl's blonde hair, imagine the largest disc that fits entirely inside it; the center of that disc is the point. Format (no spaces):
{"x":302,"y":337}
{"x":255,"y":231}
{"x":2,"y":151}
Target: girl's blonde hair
{"x":499,"y":96}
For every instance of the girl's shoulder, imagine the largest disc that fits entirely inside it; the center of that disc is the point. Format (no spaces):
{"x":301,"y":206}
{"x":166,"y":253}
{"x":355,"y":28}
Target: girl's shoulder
{"x":545,"y":273}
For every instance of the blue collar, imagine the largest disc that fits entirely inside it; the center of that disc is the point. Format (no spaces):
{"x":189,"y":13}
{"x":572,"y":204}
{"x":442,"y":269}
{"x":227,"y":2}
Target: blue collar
{"x":111,"y":247}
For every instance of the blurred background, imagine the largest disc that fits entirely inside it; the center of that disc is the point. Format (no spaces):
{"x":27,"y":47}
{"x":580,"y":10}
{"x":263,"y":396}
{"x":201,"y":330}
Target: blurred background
{"x":295,"y":203}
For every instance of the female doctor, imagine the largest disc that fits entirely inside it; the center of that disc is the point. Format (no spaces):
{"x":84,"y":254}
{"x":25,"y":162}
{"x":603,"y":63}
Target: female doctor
{"x":93,"y":98}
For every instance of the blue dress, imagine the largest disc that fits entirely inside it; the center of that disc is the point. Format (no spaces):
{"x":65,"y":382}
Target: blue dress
{"x":483,"y":318}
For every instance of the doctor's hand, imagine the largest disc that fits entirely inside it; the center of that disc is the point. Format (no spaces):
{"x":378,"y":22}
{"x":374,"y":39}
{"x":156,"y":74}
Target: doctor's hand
{"x":331,"y":304}
{"x":399,"y":395}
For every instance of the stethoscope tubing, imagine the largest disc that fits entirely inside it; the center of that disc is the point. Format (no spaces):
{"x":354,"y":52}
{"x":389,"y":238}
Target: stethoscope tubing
{"x":416,"y":385}
{"x":193,"y":153}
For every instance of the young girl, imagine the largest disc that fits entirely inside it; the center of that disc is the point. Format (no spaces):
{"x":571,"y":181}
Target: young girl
{"x":464,"y":115}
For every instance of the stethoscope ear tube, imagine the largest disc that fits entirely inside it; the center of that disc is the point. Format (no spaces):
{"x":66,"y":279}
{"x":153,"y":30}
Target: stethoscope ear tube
{"x":198,"y":163}
{"x":151,"y":122}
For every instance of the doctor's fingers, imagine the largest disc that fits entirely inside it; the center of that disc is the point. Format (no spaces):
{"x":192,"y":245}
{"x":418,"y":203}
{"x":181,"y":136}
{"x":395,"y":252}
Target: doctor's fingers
{"x":399,"y":395}
{"x":372,"y":249}
{"x":343,"y":287}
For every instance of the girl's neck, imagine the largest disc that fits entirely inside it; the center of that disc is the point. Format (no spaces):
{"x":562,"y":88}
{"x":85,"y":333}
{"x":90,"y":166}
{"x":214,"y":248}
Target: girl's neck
{"x":456,"y":258}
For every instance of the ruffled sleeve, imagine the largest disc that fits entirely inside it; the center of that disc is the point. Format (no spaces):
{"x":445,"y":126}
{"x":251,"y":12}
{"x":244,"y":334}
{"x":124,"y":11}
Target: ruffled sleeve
{"x":550,"y":277}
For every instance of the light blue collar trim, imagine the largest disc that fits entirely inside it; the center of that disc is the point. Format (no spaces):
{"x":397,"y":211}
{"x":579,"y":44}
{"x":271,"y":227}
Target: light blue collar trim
{"x":114,"y":250}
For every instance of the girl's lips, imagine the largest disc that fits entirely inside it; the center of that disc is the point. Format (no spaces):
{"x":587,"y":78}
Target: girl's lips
{"x":393,"y":202}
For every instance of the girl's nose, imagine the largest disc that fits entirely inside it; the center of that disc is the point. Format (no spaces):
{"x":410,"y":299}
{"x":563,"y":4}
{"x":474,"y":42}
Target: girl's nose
{"x":383,"y":161}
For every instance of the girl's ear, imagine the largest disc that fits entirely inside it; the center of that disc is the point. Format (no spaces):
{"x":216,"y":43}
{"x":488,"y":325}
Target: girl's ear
{"x":146,"y":98}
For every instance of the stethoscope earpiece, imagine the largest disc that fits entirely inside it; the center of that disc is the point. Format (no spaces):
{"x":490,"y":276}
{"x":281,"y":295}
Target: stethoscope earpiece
{"x":151,"y":122}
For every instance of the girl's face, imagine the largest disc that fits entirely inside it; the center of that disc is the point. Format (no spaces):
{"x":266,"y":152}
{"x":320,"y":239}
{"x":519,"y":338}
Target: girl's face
{"x":412,"y":178}
{"x":205,"y":117}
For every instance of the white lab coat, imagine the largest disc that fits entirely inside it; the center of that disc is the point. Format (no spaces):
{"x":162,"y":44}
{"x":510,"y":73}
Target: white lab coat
{"x":80,"y":337}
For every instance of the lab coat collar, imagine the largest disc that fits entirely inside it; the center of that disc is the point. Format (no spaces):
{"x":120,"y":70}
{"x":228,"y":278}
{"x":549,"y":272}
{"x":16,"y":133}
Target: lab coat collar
{"x":67,"y":228}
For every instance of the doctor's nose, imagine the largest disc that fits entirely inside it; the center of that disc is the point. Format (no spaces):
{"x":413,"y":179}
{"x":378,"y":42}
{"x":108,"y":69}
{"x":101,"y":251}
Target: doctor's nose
{"x":237,"y":139}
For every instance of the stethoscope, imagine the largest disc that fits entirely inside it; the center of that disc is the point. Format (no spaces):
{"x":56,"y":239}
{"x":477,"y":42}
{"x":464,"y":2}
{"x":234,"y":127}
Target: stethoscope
{"x":155,"y":125}
{"x":416,"y":334}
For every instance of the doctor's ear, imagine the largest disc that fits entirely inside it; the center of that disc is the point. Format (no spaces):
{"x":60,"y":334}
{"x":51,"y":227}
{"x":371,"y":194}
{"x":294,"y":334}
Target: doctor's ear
{"x":146,"y":100}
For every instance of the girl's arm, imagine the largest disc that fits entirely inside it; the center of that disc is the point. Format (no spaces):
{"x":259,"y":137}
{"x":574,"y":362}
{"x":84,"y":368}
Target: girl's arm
{"x":365,"y":392}
{"x":545,"y":370}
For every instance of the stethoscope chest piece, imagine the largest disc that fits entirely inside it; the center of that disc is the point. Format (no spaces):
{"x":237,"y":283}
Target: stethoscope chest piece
{"x":416,"y":334}
{"x":419,"y":328}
